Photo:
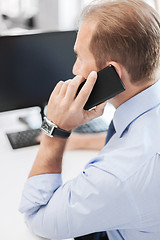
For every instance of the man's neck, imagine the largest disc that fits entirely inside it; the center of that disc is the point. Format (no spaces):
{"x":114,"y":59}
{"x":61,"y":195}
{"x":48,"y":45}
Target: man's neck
{"x":131,"y":91}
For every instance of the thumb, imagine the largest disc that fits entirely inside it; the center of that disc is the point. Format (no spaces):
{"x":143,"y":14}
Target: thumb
{"x":97,"y":111}
{"x":100,"y":108}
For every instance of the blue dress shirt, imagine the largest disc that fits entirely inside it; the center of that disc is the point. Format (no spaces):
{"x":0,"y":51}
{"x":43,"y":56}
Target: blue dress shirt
{"x":118,"y":191}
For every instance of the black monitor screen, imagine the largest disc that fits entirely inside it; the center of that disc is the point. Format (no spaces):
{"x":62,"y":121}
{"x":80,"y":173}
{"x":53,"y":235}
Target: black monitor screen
{"x":31,"y":65}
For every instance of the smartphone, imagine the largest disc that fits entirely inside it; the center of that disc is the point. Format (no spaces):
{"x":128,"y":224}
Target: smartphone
{"x":108,"y":85}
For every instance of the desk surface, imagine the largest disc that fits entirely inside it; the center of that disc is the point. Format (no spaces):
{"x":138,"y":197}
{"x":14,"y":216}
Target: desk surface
{"x":14,"y":168}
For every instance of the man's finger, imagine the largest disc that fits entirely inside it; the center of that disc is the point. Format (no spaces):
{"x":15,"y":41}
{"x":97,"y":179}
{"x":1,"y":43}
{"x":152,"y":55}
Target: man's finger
{"x":85,"y":91}
{"x":72,"y":88}
{"x":63,"y":89}
{"x":57,"y":88}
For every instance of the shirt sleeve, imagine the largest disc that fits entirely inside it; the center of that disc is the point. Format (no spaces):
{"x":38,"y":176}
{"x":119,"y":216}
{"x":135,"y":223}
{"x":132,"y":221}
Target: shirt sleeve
{"x":37,"y":192}
{"x":94,"y":201}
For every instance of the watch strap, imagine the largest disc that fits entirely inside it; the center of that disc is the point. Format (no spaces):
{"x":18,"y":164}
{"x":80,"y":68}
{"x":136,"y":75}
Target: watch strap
{"x":58,"y":132}
{"x":52,"y":130}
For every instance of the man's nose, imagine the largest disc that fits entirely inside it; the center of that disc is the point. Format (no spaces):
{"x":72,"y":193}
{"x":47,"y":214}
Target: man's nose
{"x":75,"y":69}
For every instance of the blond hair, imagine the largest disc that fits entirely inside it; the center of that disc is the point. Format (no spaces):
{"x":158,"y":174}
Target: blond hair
{"x":127,"y":32}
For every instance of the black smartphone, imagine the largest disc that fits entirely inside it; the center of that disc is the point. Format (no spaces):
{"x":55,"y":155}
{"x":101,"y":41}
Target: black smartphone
{"x":108,"y":85}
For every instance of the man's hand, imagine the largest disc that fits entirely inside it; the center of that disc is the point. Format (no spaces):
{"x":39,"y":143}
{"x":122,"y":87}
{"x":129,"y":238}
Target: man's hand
{"x":65,"y":109}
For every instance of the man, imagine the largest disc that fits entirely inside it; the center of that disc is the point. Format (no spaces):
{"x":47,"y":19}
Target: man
{"x":118,"y":191}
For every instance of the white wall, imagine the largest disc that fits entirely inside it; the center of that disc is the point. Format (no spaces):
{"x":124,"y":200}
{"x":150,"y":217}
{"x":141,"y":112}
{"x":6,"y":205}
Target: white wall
{"x":47,"y":16}
{"x":69,"y":11}
{"x":52,"y":14}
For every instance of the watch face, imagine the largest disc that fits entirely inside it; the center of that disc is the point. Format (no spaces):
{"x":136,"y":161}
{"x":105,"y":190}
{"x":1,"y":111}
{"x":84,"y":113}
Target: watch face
{"x":47,"y":127}
{"x":52,"y":130}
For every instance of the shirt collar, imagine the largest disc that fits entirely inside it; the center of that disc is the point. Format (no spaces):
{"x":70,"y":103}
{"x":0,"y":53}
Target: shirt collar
{"x":136,"y":106}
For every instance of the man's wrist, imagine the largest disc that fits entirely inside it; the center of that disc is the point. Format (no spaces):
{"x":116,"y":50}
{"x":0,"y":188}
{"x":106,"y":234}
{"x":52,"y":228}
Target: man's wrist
{"x":52,"y":130}
{"x":49,"y":157}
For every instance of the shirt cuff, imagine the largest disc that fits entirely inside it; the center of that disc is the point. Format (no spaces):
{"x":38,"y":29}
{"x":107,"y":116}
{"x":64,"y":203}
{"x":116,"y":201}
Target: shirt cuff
{"x":37,"y":191}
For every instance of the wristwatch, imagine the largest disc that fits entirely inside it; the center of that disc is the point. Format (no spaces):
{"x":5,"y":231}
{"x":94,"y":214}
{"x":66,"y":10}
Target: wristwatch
{"x":53,"y":130}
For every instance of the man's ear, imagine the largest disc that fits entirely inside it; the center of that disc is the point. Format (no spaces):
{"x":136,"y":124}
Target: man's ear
{"x":117,"y":66}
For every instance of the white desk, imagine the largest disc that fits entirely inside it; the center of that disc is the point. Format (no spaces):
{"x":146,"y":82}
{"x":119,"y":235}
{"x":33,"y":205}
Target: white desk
{"x":14,"y":168}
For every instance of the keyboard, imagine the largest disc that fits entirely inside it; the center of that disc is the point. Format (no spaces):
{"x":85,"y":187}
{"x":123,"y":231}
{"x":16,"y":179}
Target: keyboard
{"x":96,"y":125}
{"x":27,"y":138}
{"x":24,"y":138}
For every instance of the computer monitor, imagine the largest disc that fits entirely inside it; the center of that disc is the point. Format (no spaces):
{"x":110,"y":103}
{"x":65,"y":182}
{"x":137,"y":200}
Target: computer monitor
{"x":31,"y":65}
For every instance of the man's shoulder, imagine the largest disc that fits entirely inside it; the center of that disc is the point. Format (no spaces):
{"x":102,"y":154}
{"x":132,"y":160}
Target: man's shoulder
{"x":125,"y":155}
{"x":146,"y":129}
